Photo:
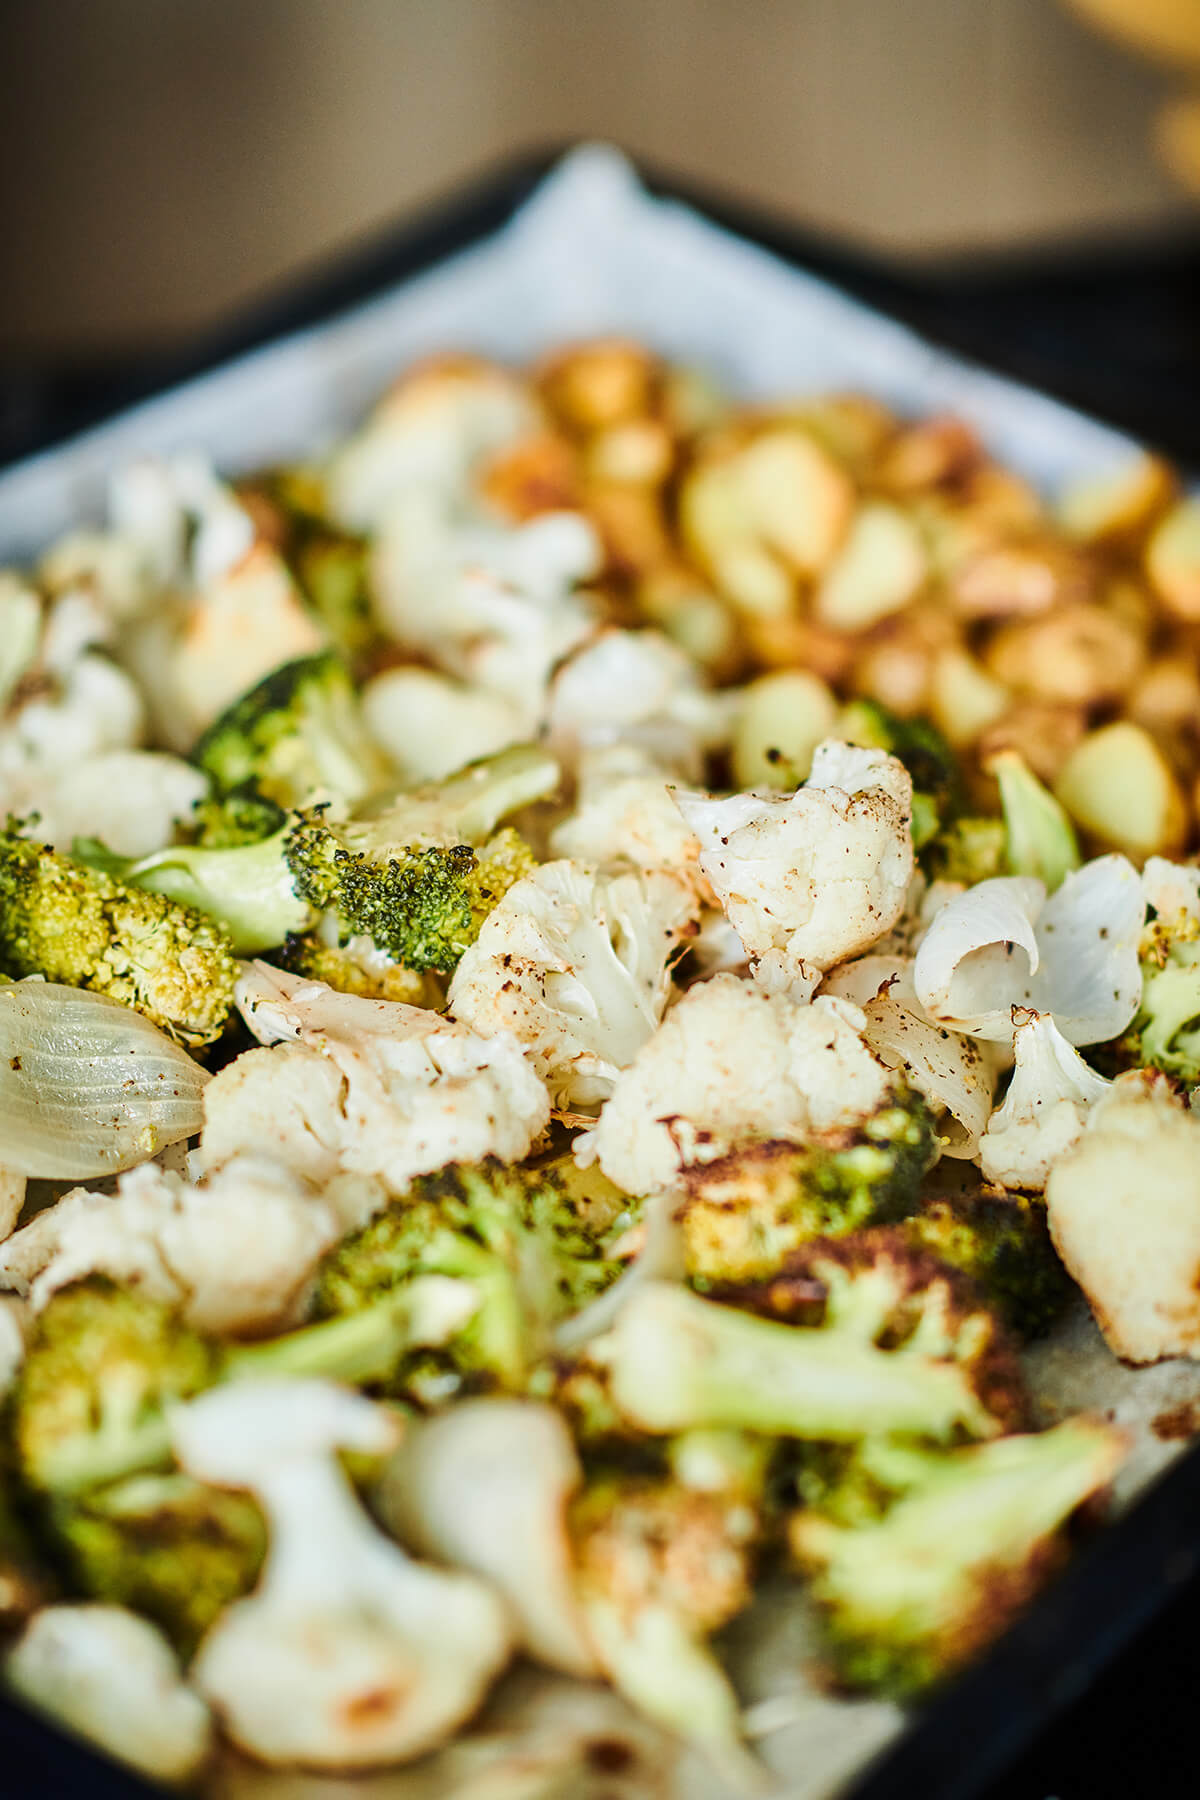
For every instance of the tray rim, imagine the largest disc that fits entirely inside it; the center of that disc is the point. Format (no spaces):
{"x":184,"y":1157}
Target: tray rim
{"x":1004,"y":1701}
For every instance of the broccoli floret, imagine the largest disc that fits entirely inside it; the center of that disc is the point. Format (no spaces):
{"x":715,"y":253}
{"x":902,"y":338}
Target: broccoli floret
{"x":1039,"y":838}
{"x":242,"y":816}
{"x":104,"y":1363}
{"x":920,"y":746}
{"x":330,"y":565}
{"x":165,"y":1545}
{"x":745,"y":1212}
{"x":969,"y":849}
{"x":1002,"y":1242}
{"x":1165,"y":1033}
{"x":356,"y":967}
{"x":297,"y":733}
{"x":331,"y":570}
{"x":101,"y":1365}
{"x":410,"y":874}
{"x":909,"y":1597}
{"x":78,"y":925}
{"x":855,"y":1337}
{"x":248,"y":890}
{"x":516,"y":1234}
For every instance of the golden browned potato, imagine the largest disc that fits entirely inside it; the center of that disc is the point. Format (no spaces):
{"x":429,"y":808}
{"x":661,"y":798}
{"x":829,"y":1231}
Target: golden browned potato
{"x":896,"y":660}
{"x":1118,"y":786}
{"x":852,"y":427}
{"x":589,"y":387}
{"x":964,"y":700}
{"x":930,"y":454}
{"x":1117,"y":510}
{"x":762,"y":507}
{"x":1173,"y":559}
{"x":1019,"y":578}
{"x":1165,"y":699}
{"x":783,"y":718}
{"x":1077,"y":654}
{"x":537,"y":474}
{"x":676,"y":599}
{"x":880,"y":568}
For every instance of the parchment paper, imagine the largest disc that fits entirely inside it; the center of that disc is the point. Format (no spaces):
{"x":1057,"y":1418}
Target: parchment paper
{"x":591,"y":252}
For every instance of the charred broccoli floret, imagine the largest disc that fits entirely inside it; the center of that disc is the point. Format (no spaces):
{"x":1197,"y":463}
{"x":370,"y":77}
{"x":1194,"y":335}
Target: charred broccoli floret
{"x":101,"y":1365}
{"x":165,"y":1545}
{"x":297,"y":733}
{"x":330,"y":566}
{"x":857,"y":1337}
{"x":104,"y":1363}
{"x":515,"y":1234}
{"x":80,"y":926}
{"x":419,"y":873}
{"x":910,"y":1596}
{"x":247,"y":889}
{"x":1165,"y":1033}
{"x":242,"y":816}
{"x":920,"y":746}
{"x":1003,"y":1243}
{"x":745,"y":1212}
{"x":969,"y":849}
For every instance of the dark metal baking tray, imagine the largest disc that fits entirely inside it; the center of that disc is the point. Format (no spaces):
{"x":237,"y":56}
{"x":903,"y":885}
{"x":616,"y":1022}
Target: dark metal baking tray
{"x":1090,"y":1693}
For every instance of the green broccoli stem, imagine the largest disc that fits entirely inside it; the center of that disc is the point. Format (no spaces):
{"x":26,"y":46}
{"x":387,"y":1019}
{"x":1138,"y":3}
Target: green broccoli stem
{"x":356,"y":1348}
{"x":1040,"y":839}
{"x":249,"y":889}
{"x":472,"y":803}
{"x":676,"y":1361}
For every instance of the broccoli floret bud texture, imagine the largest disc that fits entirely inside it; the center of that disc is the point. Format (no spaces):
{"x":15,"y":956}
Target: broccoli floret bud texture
{"x":521,"y":1237}
{"x":1165,"y":1033}
{"x":1002,"y":1242}
{"x":77,"y":925}
{"x":296,"y":733}
{"x":242,"y":816}
{"x":745,"y":1212}
{"x":910,"y":1597}
{"x":165,"y":1545}
{"x":419,"y":874}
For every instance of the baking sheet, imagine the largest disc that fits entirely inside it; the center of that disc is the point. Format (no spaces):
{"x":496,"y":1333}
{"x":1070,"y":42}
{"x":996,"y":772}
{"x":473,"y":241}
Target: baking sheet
{"x":592,"y":252}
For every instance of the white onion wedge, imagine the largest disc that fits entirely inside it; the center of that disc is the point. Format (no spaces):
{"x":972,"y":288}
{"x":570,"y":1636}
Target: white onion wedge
{"x":87,"y":1086}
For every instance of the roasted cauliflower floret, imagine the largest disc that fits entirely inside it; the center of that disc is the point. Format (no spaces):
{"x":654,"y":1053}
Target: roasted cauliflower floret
{"x":729,"y":1066}
{"x":812,"y":878}
{"x":577,"y":967}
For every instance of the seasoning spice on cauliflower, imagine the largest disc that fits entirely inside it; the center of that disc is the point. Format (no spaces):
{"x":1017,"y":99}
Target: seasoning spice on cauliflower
{"x":730,"y":1065}
{"x":814,"y":877}
{"x":420,"y":1091}
{"x":1046,"y":1106}
{"x":955,"y":1074}
{"x":1124,"y":1211}
{"x":347,"y":1654}
{"x":576,"y":966}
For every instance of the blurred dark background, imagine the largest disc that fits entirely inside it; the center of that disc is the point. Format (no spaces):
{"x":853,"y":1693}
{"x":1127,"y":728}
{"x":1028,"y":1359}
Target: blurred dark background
{"x":1019,"y":177}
